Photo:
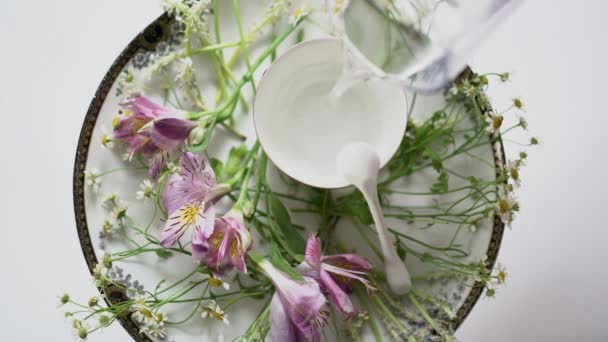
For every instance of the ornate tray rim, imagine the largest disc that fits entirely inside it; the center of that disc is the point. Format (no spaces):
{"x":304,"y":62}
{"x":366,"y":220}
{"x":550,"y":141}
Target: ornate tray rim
{"x":147,"y":39}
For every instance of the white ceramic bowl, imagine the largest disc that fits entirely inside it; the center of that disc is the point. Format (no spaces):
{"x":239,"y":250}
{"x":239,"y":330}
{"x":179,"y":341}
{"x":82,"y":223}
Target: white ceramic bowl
{"x":302,"y":130}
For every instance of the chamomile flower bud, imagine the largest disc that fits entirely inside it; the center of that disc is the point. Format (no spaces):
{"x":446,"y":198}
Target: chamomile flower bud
{"x":104,"y":320}
{"x":504,"y":77}
{"x":490,"y":292}
{"x":93,"y":301}
{"x":83,"y":333}
{"x":107,"y":261}
{"x":534,"y":141}
{"x":64,"y":299}
{"x":517,"y":103}
{"x":523,"y":123}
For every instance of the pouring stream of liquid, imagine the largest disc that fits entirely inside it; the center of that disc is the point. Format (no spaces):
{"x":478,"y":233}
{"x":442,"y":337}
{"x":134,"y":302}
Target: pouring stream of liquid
{"x":360,"y":164}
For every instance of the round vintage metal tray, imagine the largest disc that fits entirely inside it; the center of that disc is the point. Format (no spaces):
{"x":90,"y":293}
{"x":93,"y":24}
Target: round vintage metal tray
{"x":161,"y":35}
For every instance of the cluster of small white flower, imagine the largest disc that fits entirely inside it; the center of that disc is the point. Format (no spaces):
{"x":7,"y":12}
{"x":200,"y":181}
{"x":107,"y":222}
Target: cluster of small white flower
{"x":150,"y":320}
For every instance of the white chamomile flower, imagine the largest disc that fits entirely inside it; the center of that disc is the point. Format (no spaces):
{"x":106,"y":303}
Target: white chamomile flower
{"x":106,"y":139}
{"x":147,"y":190}
{"x":120,"y":210}
{"x":213,"y":310}
{"x":494,"y":122}
{"x":142,"y":313}
{"x":506,"y":207}
{"x":500,"y":274}
{"x":217,"y":282}
{"x":155,"y":326}
{"x":110,"y":198}
{"x":299,"y":13}
{"x":92,"y":180}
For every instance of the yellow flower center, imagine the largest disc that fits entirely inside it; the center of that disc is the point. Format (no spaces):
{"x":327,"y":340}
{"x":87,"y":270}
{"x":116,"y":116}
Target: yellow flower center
{"x":503,"y":206}
{"x":497,"y":122}
{"x":189,"y":213}
{"x":514,"y":173}
{"x":502,"y":276}
{"x":214,"y":282}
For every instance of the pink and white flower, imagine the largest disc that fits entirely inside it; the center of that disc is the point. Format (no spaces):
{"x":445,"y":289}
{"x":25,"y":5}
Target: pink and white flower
{"x":189,"y":198}
{"x":151,"y":129}
{"x":335,"y":274}
{"x":297,"y":310}
{"x":227,"y":245}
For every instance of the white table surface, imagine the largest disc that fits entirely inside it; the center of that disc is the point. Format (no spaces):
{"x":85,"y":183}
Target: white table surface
{"x":54,"y":54}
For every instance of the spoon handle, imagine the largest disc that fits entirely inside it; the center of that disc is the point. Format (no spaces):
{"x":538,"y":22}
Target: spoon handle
{"x":397,"y":275}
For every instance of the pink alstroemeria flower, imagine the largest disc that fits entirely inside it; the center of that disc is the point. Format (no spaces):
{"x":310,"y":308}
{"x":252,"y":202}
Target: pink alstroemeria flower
{"x":335,"y":274}
{"x":297,"y":310}
{"x":151,"y":129}
{"x":188,"y":199}
{"x":227,"y":246}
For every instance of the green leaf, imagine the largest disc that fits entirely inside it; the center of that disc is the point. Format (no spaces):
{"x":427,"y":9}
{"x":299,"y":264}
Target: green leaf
{"x":282,"y":219}
{"x":217,"y":166}
{"x":164,"y":254}
{"x":278,"y":261}
{"x":441,"y":186}
{"x":435,"y":158}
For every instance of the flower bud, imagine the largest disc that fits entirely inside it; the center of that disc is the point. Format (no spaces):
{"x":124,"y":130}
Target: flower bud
{"x":107,"y":261}
{"x":83,"y":333}
{"x":65,"y":298}
{"x":104,"y":320}
{"x":248,"y":209}
{"x":93,"y":301}
{"x":196,"y":135}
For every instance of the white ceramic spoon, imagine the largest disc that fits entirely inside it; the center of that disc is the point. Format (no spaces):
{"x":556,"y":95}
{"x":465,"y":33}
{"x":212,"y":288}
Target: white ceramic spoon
{"x":360,"y":164}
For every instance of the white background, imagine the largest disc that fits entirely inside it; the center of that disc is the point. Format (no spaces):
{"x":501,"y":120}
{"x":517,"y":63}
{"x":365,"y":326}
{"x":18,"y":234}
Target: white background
{"x":54,"y":54}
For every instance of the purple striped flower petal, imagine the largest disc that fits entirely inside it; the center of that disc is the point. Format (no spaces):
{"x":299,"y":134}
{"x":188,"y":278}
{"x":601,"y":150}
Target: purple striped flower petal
{"x":302,"y":302}
{"x":338,"y":298}
{"x":139,"y":104}
{"x":169,"y":133}
{"x":184,"y":218}
{"x":281,"y":328}
{"x":195,"y":180}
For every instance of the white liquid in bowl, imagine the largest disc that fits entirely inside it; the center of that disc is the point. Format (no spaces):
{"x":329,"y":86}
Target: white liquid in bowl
{"x":303,"y":131}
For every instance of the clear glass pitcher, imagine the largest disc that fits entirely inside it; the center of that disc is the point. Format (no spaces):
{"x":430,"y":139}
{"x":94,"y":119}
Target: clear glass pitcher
{"x":421,"y":45}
